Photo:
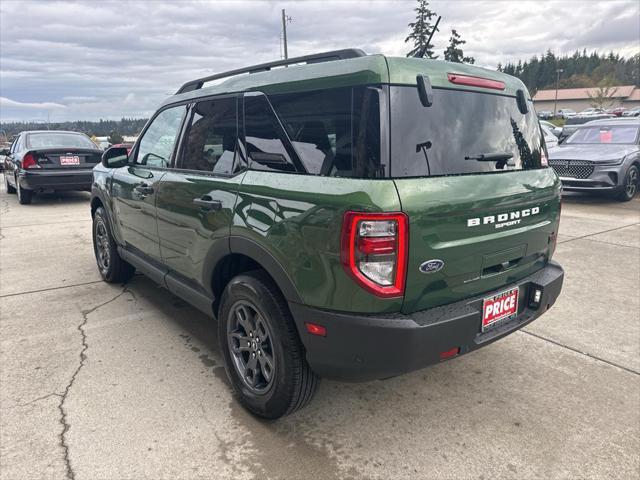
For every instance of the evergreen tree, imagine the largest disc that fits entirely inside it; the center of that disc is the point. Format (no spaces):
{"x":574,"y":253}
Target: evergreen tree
{"x":454,"y":52}
{"x":580,"y":70}
{"x":115,"y":137}
{"x":421,"y":31}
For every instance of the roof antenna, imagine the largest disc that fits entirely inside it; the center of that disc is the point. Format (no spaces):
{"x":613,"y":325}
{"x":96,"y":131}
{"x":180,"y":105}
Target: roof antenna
{"x":435,"y":28}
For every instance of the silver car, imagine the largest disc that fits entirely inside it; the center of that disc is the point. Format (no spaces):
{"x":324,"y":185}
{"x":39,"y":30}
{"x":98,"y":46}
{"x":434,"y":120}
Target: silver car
{"x":549,"y":137}
{"x":602,"y":155}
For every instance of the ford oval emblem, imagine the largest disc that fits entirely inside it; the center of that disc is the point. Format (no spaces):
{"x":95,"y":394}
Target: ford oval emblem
{"x":432,"y":266}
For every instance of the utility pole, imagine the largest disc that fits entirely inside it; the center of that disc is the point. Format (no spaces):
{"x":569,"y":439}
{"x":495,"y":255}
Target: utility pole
{"x":555,"y":104}
{"x":285,"y":19}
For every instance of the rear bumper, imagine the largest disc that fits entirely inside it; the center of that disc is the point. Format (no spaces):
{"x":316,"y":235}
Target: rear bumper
{"x":368,"y":347}
{"x":80,"y":179}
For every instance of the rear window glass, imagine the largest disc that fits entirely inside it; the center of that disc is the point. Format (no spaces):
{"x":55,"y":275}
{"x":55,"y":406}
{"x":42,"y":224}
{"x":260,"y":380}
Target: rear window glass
{"x":605,"y":134}
{"x":52,"y":140}
{"x":335,"y":132}
{"x":461,"y":133}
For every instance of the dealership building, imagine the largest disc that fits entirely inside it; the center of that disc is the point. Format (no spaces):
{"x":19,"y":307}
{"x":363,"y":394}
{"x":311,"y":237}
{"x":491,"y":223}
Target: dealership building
{"x":578,"y":99}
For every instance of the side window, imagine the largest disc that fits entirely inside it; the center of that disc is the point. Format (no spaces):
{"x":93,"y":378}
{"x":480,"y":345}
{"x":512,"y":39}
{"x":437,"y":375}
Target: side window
{"x":16,"y":143}
{"x":156,"y":145}
{"x":319,"y":126}
{"x":265,"y":140}
{"x":211,"y":143}
{"x":335,"y":132}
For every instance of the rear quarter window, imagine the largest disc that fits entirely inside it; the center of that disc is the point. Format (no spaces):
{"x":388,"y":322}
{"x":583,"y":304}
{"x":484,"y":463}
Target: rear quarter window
{"x":335,"y":132}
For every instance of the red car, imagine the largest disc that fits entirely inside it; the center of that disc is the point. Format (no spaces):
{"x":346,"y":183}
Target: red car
{"x":618,"y":111}
{"x":128,"y":146}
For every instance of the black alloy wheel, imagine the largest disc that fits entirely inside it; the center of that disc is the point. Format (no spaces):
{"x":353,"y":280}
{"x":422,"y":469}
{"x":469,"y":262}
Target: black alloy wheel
{"x":103,"y":253}
{"x":264,"y":357}
{"x":113,"y":269}
{"x":251,"y":347}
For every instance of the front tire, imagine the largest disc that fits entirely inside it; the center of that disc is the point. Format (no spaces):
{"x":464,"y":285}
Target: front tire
{"x":630,"y":185}
{"x":263,"y":355}
{"x":113,"y":269}
{"x":24,"y":196}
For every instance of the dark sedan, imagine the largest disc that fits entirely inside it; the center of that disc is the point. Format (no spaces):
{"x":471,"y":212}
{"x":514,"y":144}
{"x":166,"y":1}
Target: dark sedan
{"x":602,"y":155}
{"x":49,"y":160}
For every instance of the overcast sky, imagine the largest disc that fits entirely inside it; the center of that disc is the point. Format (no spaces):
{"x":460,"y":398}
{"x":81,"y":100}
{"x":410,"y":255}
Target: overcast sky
{"x":103,"y":59}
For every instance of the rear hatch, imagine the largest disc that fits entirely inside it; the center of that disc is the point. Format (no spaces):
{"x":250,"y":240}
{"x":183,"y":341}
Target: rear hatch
{"x":483,"y":208}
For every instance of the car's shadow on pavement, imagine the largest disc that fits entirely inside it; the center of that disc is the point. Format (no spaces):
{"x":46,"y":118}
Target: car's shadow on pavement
{"x":52,"y":198}
{"x":599,"y":199}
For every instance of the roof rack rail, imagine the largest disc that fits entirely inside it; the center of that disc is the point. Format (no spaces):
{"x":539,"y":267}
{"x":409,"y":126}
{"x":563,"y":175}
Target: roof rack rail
{"x":263,"y":67}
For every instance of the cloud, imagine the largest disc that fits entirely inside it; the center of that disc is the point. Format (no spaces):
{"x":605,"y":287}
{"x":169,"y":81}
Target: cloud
{"x":7,"y":102}
{"x":119,"y":59}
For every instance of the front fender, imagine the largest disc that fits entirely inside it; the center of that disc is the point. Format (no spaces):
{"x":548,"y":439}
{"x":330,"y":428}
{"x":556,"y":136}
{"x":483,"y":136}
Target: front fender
{"x":101,"y":191}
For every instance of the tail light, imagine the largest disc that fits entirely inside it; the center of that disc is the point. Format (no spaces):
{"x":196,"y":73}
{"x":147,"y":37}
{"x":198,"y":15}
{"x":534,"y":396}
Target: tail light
{"x":374,"y":251}
{"x":28,"y":161}
{"x":544,"y":160}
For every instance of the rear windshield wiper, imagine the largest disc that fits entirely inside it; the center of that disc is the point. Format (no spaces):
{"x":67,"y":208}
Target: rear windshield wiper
{"x":491,"y":157}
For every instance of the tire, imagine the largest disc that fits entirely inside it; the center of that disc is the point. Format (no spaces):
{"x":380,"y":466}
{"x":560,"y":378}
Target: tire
{"x":9,"y":188}
{"x":251,"y":302}
{"x":112,"y":268}
{"x":24,"y":196}
{"x":630,"y":184}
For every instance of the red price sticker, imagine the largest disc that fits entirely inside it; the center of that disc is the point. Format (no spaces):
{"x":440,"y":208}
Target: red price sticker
{"x":606,"y":136}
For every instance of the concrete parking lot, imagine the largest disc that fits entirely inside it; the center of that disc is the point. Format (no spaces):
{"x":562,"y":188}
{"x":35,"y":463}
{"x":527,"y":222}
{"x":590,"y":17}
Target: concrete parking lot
{"x":102,"y":381}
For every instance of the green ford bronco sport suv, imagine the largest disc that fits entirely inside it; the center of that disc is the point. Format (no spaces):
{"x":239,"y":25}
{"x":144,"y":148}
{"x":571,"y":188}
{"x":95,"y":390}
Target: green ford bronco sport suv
{"x":342,"y":215}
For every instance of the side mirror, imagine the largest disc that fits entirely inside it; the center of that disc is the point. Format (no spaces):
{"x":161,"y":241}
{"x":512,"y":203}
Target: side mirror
{"x":5,"y":152}
{"x":115,"y":157}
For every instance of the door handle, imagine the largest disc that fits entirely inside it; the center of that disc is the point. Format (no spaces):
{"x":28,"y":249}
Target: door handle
{"x":143,"y":189}
{"x":207,"y":203}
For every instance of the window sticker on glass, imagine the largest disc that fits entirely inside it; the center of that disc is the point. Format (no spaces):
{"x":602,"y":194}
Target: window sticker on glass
{"x":606,"y":136}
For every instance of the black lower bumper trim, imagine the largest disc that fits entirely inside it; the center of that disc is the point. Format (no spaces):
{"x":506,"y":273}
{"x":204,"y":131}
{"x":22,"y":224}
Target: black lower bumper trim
{"x":366,"y":347}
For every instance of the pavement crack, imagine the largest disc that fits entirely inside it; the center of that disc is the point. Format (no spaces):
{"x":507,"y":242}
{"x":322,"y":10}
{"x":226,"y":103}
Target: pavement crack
{"x":63,"y":397}
{"x":573,"y":239}
{"x":586,"y":354}
{"x":43,"y":397}
{"x":50,"y":288}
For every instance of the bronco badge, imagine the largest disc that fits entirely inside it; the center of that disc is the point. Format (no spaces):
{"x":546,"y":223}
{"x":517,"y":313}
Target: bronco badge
{"x":431,"y":266}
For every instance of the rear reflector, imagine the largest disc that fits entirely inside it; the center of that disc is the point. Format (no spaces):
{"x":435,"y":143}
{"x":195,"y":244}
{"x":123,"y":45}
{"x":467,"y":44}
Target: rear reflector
{"x":315,"y":329}
{"x":449,"y":353}
{"x":475,"y":81}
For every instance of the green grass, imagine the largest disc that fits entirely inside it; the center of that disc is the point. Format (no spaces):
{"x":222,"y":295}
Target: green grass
{"x":558,"y":122}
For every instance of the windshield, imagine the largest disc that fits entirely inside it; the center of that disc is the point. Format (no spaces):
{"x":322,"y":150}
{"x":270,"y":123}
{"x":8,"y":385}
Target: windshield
{"x":461,"y":133}
{"x":51,"y":140}
{"x":618,"y":134}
